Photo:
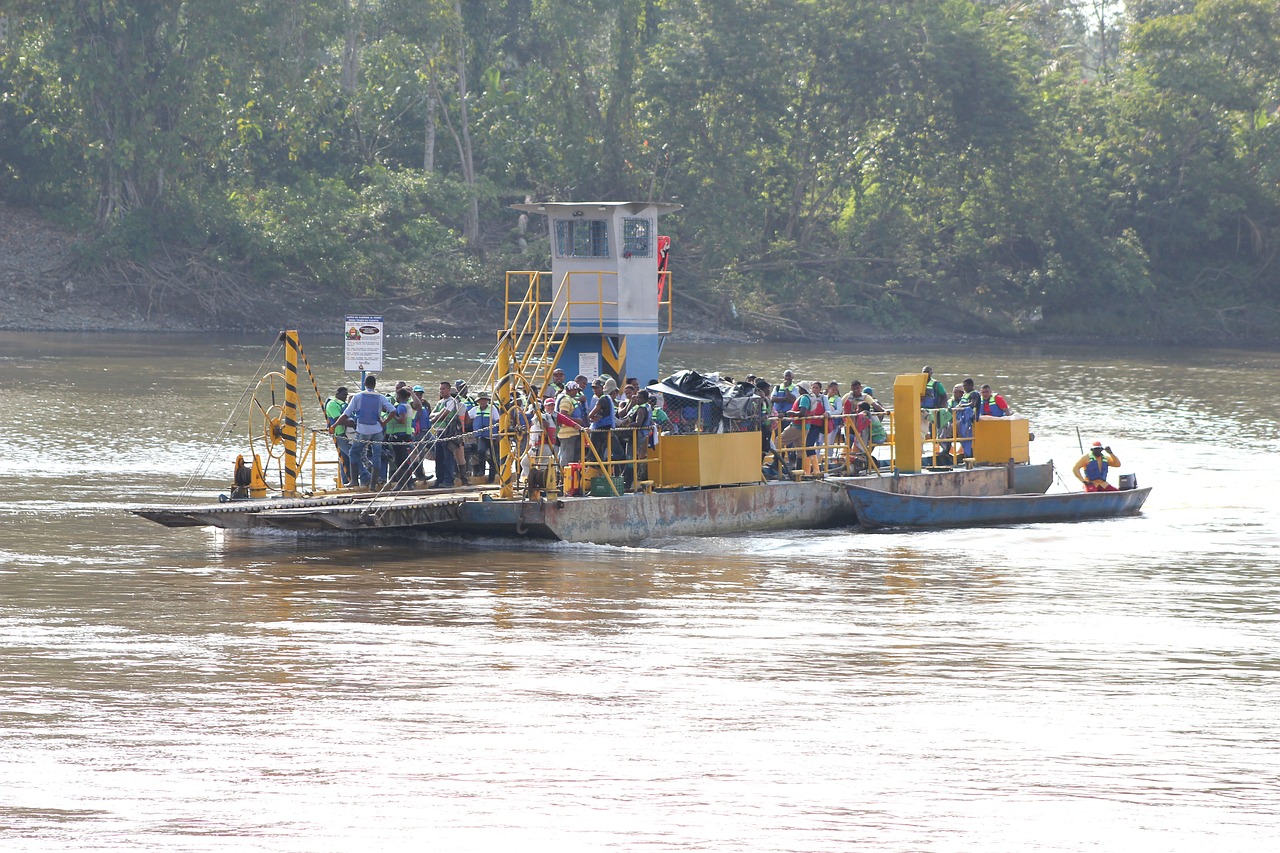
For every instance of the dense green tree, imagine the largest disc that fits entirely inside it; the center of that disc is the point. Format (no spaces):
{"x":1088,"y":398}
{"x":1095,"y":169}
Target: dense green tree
{"x":989,"y":160}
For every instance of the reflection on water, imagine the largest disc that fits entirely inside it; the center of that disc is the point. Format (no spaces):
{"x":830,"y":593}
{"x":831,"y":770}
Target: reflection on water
{"x":1108,"y":685}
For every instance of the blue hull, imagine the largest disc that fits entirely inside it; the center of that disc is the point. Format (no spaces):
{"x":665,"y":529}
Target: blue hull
{"x":886,"y":509}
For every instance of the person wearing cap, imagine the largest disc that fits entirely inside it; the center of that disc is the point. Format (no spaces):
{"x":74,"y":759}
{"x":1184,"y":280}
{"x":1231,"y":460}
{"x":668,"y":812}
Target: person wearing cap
{"x":933,"y":406}
{"x":484,"y":423}
{"x":1093,"y":467}
{"x":602,"y":418}
{"x":556,"y":385}
{"x":568,"y":427}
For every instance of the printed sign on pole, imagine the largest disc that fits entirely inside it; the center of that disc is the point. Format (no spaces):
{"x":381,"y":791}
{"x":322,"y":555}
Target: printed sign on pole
{"x":363,"y":344}
{"x":589,"y":364}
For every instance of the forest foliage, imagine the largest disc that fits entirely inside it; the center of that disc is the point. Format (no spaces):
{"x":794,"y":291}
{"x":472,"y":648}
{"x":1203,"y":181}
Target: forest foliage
{"x":1077,"y":167}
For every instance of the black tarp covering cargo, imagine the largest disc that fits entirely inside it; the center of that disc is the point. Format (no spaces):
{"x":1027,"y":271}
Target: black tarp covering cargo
{"x":698,"y":403}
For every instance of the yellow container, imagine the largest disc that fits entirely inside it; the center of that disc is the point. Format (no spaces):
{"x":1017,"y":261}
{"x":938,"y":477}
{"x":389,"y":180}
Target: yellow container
{"x":707,"y":460}
{"x":997,"y":440}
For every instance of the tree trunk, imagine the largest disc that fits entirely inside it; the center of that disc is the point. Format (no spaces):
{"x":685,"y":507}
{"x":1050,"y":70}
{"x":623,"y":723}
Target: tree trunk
{"x":429,"y":136}
{"x":471,"y":224}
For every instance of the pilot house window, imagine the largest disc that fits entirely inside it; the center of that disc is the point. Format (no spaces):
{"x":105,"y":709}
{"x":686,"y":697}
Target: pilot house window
{"x":637,"y":239}
{"x":582,"y":238}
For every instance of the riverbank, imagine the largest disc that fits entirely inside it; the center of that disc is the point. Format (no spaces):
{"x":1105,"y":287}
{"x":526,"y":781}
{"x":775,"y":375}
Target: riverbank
{"x":44,"y":287}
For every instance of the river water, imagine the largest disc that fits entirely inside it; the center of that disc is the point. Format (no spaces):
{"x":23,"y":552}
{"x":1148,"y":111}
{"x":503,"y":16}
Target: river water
{"x":1108,"y":685}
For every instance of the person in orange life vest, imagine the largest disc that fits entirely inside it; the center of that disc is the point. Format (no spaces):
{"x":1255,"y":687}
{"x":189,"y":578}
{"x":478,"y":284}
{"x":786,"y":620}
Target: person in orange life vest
{"x":1093,"y":466}
{"x":991,"y":405}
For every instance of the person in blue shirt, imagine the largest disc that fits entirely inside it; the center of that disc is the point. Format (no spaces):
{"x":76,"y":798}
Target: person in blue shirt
{"x":364,"y":412}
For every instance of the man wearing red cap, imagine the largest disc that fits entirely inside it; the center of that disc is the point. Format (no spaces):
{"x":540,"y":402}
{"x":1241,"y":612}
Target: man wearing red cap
{"x":1093,"y":466}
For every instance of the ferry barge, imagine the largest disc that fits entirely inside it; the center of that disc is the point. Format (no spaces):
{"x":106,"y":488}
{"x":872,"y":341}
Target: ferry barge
{"x":605,"y":303}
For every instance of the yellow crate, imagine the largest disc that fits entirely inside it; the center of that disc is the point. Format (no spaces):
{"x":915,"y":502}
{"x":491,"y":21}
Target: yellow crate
{"x":707,"y":460}
{"x":997,"y":440}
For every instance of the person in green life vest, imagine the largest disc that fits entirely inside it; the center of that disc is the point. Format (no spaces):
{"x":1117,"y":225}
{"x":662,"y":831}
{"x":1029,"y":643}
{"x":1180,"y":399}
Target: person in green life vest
{"x":934,"y":414}
{"x":399,"y":433}
{"x":332,"y":411}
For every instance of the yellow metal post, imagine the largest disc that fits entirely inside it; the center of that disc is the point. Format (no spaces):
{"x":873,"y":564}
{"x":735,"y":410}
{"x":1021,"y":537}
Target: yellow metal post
{"x":292,"y":413}
{"x":908,"y":392}
{"x":502,"y":372}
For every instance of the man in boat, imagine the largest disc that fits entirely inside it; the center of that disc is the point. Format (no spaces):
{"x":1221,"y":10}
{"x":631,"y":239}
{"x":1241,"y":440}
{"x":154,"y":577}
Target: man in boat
{"x":1093,"y":467}
{"x":364,"y":412}
{"x":859,"y":393}
{"x":991,"y":405}
{"x":834,"y":409}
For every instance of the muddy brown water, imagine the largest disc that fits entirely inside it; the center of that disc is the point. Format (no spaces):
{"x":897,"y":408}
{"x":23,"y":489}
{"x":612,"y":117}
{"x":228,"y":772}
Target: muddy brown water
{"x":1106,"y":685}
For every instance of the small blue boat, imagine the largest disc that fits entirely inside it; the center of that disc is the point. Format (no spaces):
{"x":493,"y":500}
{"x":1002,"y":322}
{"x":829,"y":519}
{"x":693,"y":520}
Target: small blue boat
{"x":876,"y":508}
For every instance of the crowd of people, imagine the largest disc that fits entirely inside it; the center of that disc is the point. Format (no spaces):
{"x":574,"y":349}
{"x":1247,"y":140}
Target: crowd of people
{"x":384,"y":438}
{"x":813,"y":423}
{"x":619,"y":422}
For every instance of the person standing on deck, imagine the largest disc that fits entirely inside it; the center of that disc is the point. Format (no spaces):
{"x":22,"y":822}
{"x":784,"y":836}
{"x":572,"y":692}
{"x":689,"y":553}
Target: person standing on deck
{"x":601,"y":418}
{"x":399,"y":434}
{"x":484,"y":423}
{"x":963,"y":414}
{"x":364,"y":412}
{"x":933,"y":405}
{"x":834,"y":422}
{"x":333,"y":408}
{"x":445,"y":426}
{"x":1093,"y":467}
{"x":568,"y":427}
{"x":421,"y":429}
{"x":555,"y":386}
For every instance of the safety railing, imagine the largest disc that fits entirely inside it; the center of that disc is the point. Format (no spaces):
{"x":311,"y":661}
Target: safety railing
{"x":829,"y":445}
{"x":539,"y":326}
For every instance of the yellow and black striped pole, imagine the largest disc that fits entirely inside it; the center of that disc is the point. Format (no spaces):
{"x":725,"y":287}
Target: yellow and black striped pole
{"x":292,"y":413}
